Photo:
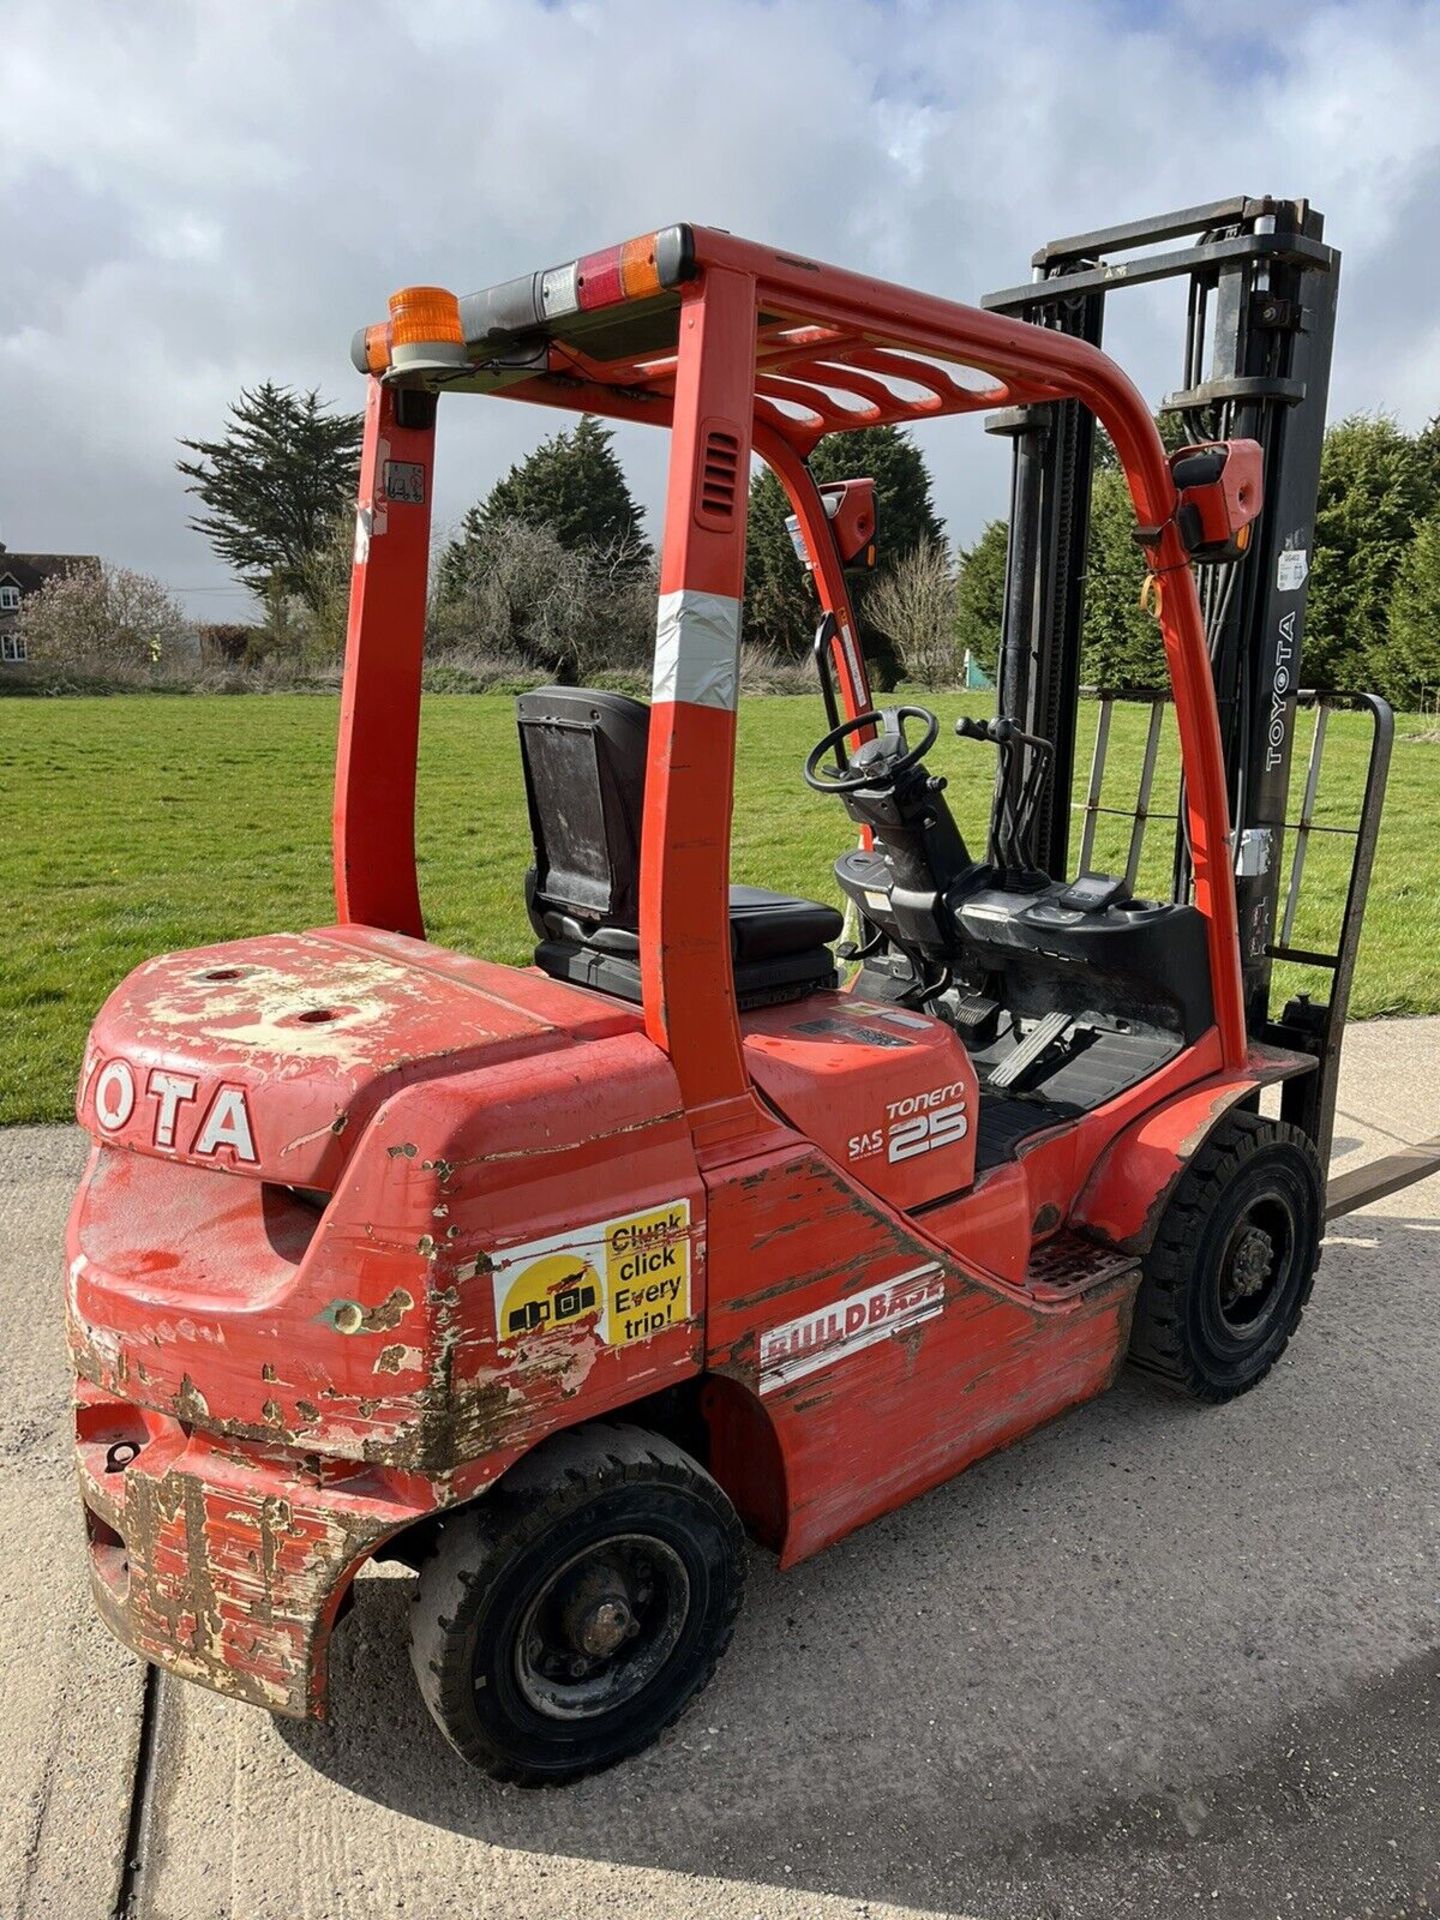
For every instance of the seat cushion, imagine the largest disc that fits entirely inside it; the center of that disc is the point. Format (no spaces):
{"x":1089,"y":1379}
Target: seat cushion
{"x":767,"y":926}
{"x":779,"y":943}
{"x":758,"y":983}
{"x":763,"y":926}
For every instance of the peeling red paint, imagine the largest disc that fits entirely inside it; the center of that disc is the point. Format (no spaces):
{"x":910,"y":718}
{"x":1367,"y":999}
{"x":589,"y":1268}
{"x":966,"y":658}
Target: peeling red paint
{"x":225,"y":1565}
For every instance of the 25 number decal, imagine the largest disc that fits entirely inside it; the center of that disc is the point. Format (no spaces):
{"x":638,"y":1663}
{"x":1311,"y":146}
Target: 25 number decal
{"x":942,"y":1128}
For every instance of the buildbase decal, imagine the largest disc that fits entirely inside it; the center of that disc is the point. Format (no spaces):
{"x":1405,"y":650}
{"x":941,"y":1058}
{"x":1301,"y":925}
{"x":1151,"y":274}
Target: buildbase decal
{"x":629,"y":1278}
{"x":790,"y":1351}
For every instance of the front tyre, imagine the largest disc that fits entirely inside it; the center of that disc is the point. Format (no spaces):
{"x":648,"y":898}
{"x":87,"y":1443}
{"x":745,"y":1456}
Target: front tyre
{"x":1233,"y":1263}
{"x":566,"y":1620}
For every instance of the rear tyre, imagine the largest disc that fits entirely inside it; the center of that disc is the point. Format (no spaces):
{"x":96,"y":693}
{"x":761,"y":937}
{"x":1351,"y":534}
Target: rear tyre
{"x":1233,"y":1263}
{"x":566,"y":1620}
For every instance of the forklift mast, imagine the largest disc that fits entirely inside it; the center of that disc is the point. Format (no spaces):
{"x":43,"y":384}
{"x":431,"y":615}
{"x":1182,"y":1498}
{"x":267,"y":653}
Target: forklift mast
{"x":1261,"y":311}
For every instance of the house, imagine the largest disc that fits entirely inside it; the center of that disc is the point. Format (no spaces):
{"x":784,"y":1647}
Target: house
{"x":22,"y":574}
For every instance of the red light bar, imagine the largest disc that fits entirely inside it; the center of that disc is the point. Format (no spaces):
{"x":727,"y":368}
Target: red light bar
{"x":598,"y":282}
{"x":637,"y":270}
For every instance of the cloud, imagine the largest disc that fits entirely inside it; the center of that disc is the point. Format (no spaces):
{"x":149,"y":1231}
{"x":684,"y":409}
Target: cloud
{"x":200,"y":196}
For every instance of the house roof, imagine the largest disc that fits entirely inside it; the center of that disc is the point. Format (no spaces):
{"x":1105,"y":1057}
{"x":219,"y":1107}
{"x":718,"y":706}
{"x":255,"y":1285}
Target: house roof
{"x":31,"y":570}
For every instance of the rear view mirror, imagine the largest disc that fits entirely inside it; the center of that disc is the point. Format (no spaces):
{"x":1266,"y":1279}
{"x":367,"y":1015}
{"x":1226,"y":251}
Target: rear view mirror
{"x":850,"y":509}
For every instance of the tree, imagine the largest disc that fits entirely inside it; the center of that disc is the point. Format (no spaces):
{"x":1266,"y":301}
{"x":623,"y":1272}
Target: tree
{"x":1376,"y":484}
{"x":1427,"y":446}
{"x":780,"y":605}
{"x":1409,"y":663}
{"x":516,"y":593}
{"x":573,"y":486}
{"x":274,"y":484}
{"x":95,"y":618}
{"x":1171,"y":427}
{"x":980,"y":597}
{"x":913,"y":606}
{"x":306,"y":622}
{"x":1121,"y":642}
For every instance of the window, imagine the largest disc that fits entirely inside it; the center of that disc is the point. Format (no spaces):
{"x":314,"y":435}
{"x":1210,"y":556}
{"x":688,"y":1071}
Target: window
{"x":12,"y":648}
{"x":9,"y":598}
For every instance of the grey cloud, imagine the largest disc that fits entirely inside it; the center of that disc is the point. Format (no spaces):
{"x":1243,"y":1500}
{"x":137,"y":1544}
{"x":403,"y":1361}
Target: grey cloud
{"x":201,"y":196}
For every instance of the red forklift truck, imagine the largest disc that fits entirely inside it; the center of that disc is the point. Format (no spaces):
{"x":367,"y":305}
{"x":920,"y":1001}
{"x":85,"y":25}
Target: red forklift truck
{"x":555,"y":1281}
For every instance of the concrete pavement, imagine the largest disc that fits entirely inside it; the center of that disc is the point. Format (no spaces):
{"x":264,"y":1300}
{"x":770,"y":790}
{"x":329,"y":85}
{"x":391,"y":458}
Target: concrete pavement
{"x":72,"y":1697}
{"x":1157,"y":1660}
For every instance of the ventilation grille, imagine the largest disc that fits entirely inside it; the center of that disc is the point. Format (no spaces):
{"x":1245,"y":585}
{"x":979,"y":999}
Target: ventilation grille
{"x":719,"y":474}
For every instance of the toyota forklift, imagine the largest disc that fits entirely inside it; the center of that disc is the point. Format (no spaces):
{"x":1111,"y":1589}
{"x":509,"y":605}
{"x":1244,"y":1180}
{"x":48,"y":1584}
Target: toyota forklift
{"x":554,"y":1282}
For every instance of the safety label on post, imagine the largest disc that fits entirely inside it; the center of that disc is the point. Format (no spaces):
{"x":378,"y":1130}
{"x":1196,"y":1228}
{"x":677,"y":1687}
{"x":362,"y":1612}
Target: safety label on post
{"x":627,"y":1278}
{"x":1291,"y":569}
{"x":405,"y":482}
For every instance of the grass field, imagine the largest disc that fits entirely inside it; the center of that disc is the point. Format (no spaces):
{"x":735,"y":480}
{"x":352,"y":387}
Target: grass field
{"x":138,"y":825}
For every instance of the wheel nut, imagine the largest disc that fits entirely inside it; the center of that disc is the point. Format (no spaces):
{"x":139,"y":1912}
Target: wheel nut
{"x":606,"y":1625}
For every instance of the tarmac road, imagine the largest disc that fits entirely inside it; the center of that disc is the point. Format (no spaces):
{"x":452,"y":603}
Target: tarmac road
{"x":1156,"y":1661}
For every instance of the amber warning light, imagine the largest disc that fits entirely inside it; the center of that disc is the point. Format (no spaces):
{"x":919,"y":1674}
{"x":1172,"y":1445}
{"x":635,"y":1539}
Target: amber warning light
{"x":429,"y":330}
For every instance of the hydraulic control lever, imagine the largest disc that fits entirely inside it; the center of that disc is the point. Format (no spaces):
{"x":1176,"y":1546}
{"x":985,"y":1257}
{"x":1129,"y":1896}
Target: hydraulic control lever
{"x":1019,"y":783}
{"x":999,"y":732}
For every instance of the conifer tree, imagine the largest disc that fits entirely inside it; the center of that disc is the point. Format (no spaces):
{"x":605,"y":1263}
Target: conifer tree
{"x":273,"y":485}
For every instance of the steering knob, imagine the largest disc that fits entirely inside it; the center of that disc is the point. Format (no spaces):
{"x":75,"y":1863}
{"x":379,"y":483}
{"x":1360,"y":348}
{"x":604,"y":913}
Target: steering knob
{"x":875,"y":764}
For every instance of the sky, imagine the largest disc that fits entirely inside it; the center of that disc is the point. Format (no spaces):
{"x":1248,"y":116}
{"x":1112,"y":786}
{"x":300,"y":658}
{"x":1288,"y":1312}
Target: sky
{"x":196,"y":197}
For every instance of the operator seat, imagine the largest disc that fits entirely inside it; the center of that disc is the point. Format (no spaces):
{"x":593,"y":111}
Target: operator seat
{"x":584,"y":754}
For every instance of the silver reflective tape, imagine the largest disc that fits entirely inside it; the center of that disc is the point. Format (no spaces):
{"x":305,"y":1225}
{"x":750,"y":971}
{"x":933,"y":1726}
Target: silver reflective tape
{"x":697,"y":649}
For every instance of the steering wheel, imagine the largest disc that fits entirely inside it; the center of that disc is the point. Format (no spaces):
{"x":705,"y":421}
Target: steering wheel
{"x":880,"y":761}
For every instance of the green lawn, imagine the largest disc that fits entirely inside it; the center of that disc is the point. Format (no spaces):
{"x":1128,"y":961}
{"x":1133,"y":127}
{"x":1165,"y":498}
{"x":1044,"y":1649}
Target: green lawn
{"x":134,"y":825}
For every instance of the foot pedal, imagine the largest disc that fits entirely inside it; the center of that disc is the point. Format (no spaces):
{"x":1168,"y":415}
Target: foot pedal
{"x":973,"y":1013}
{"x":1043,"y":1034}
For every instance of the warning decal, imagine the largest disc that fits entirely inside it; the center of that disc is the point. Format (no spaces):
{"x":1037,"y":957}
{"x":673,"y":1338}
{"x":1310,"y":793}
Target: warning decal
{"x":628,"y":1278}
{"x":553,"y":1291}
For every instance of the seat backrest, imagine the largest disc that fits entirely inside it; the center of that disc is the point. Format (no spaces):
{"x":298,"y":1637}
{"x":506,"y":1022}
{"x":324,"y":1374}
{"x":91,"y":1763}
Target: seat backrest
{"x":584,"y":758}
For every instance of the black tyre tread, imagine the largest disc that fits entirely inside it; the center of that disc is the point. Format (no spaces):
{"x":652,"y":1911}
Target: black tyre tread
{"x":1156,"y":1343}
{"x":536,"y":1494}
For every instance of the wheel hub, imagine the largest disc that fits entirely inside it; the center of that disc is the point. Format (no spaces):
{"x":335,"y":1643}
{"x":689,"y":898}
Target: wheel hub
{"x":1251,"y":1264}
{"x":599,"y":1630}
{"x":598,"y":1624}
